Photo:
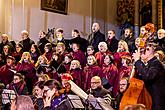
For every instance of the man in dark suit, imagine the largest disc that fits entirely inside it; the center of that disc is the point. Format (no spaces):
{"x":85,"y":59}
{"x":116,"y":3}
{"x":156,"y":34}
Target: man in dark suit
{"x":42,"y":41}
{"x":98,"y":91}
{"x":5,"y":41}
{"x":152,"y":72}
{"x":112,"y":42}
{"x":26,"y":41}
{"x":96,"y":36}
{"x":129,"y":38}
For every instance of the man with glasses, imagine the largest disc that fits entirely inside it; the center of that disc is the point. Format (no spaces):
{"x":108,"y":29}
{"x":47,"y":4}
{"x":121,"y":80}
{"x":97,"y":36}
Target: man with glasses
{"x":97,"y":91}
{"x":152,"y":72}
{"x":122,"y":88}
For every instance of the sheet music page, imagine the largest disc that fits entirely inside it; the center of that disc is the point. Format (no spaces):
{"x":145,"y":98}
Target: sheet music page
{"x":77,"y":90}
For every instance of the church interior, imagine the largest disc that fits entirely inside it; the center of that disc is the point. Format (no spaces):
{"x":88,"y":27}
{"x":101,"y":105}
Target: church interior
{"x":82,"y":54}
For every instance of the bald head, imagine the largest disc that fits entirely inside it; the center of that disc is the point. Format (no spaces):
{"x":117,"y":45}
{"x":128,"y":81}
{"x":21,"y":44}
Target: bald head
{"x":95,"y":27}
{"x":95,"y":82}
{"x":161,"y":33}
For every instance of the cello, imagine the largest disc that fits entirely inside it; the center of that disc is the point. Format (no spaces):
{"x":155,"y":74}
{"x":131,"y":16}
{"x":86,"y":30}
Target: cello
{"x":136,"y":93}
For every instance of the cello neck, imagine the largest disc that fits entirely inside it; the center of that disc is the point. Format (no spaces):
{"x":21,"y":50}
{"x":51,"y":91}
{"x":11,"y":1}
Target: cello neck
{"x":132,"y":72}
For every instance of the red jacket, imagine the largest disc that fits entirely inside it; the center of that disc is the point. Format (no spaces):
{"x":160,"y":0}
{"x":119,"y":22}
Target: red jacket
{"x":80,"y":56}
{"x":6,"y":76}
{"x":90,"y":71}
{"x":78,"y":77}
{"x":100,"y":57}
{"x":27,"y":69}
{"x":117,"y":58}
{"x":110,"y":72}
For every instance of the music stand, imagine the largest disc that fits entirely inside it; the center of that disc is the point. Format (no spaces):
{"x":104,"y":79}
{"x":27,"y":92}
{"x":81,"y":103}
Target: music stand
{"x":105,"y":105}
{"x":99,"y":104}
{"x":8,"y":96}
{"x":93,"y":102}
{"x":75,"y":102}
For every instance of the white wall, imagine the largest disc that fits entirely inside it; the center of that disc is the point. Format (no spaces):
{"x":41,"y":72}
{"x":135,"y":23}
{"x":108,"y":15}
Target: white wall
{"x":81,"y":14}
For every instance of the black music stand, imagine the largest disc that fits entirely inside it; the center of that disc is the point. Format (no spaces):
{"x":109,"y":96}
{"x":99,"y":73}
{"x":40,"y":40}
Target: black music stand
{"x":75,"y":102}
{"x":94,"y":104}
{"x":99,"y":104}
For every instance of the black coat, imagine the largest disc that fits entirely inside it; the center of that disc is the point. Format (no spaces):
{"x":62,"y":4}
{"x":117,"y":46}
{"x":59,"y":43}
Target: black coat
{"x":27,"y":43}
{"x":41,"y":44}
{"x":112,"y":44}
{"x":95,"y":38}
{"x":131,"y":43}
{"x":81,"y":41}
{"x":11,"y":47}
{"x":161,"y":44}
{"x":153,"y":75}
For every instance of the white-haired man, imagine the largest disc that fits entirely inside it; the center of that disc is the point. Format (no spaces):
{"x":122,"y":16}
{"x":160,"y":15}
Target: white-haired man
{"x":26,"y":41}
{"x":161,"y":39}
{"x":5,"y":41}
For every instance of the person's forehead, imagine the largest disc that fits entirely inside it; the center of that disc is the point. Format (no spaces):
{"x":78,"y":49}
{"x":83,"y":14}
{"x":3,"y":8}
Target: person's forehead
{"x":40,"y":58}
{"x":123,"y":81}
{"x":75,"y":45}
{"x":6,"y":47}
{"x":90,"y":58}
{"x":161,"y":31}
{"x":36,"y":87}
{"x":127,"y":30}
{"x":109,"y":32}
{"x":89,"y":48}
{"x":8,"y":59}
{"x":58,"y":32}
{"x":106,"y":56}
{"x":142,"y":28}
{"x":16,"y":76}
{"x":73,"y":63}
{"x":95,"y":24}
{"x":94,"y":80}
{"x":4,"y":36}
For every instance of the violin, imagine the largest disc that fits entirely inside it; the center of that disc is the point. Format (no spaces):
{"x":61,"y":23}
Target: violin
{"x":66,"y":89}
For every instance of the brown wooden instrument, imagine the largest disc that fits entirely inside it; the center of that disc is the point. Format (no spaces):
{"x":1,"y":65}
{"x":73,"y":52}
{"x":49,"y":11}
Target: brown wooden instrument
{"x":150,"y":30}
{"x":136,"y":94}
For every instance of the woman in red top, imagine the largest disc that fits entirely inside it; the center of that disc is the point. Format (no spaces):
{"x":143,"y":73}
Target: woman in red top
{"x":110,"y":72}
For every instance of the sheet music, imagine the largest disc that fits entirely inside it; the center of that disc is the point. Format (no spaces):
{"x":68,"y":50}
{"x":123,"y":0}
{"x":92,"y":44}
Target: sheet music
{"x":8,"y":96}
{"x":77,"y":90}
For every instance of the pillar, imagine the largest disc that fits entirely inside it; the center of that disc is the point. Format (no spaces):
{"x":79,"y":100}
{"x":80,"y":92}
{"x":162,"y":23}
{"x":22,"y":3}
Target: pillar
{"x":136,"y":18}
